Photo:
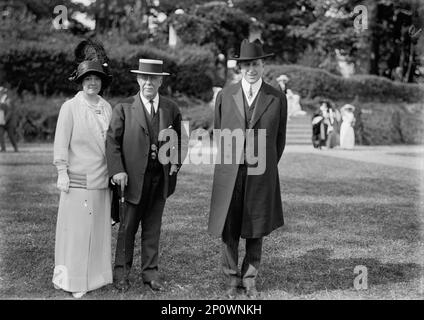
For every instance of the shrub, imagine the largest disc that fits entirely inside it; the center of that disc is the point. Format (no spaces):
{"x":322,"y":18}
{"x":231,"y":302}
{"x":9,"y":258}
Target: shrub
{"x":39,"y":69}
{"x":389,"y":123}
{"x":45,"y":67}
{"x":196,"y":72}
{"x":37,"y":116}
{"x":311,"y":82}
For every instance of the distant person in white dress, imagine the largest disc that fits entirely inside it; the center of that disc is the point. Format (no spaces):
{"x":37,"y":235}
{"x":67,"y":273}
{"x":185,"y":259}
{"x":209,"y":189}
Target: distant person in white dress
{"x":293,"y":100}
{"x":347,"y":134}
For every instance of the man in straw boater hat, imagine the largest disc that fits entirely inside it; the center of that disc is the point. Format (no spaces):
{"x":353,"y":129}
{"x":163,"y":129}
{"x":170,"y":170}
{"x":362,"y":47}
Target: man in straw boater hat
{"x":246,"y":204}
{"x":134,"y":162}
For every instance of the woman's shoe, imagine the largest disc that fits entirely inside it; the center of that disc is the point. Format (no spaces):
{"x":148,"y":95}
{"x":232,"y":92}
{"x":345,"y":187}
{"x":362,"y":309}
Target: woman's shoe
{"x":78,"y":295}
{"x":56,"y":286}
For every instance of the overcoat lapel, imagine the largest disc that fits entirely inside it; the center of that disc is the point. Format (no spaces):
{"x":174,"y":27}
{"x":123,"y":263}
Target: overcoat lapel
{"x":163,"y":117}
{"x":238,"y":99}
{"x":264,"y":100}
{"x":139,"y":112}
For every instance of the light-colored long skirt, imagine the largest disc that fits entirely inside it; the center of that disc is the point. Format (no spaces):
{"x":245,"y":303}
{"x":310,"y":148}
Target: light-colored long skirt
{"x":347,"y":136}
{"x":83,"y":260}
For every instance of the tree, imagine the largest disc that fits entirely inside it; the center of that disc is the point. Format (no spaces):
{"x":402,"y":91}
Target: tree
{"x":214,"y":24}
{"x":169,"y":6}
{"x":32,"y":20}
{"x":309,"y":31}
{"x":279,"y":19}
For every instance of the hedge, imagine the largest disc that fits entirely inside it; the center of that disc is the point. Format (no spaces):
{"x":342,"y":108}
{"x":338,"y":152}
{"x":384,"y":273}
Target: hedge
{"x":44,"y":68}
{"x":311,"y":82}
{"x":376,"y":123}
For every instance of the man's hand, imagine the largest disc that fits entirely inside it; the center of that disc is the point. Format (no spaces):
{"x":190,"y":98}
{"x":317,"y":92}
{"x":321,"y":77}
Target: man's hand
{"x":63,"y":181}
{"x":121,"y":179}
{"x":173,"y":169}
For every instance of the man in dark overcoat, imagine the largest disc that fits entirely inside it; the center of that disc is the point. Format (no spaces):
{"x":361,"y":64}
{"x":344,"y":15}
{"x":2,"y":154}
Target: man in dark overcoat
{"x":247,"y":203}
{"x":133,"y":152}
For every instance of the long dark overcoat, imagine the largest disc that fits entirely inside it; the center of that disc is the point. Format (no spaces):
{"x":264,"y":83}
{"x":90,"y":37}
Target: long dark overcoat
{"x":262,"y":211}
{"x":128,"y":143}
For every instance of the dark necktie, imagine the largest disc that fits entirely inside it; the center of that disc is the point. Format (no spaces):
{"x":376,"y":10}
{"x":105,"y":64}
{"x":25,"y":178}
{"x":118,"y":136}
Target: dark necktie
{"x":152,"y":108}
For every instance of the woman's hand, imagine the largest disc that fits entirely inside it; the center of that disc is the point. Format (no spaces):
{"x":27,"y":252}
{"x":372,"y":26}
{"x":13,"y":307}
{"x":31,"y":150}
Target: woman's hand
{"x":63,"y":181}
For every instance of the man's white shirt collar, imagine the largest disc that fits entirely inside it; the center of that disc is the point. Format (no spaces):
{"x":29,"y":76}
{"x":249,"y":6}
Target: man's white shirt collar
{"x":147,"y":102}
{"x":255,"y":89}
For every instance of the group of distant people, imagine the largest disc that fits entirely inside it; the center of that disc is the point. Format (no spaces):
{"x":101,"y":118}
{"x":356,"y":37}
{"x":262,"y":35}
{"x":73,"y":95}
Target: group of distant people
{"x":332,"y":127}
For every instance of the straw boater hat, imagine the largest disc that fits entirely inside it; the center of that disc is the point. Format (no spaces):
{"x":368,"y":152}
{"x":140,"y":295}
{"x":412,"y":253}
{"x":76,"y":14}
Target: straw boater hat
{"x":95,"y":67}
{"x":150,"y":66}
{"x":251,"y":51}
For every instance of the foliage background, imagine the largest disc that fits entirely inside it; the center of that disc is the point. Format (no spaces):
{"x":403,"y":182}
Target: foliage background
{"x":36,"y":59}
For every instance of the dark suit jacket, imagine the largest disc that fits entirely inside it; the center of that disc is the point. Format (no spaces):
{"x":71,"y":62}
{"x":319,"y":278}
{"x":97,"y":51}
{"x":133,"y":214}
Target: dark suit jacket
{"x":262,"y":206}
{"x":128,"y":143}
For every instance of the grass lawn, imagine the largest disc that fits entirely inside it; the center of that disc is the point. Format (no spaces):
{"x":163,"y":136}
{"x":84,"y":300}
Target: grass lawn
{"x":339,"y":214}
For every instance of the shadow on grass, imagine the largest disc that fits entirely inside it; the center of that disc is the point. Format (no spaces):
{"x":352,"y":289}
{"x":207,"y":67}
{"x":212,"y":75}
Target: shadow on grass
{"x":316,"y":271}
{"x":25,"y":164}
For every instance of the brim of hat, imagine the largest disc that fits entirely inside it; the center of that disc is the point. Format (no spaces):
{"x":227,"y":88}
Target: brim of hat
{"x":282,"y":79}
{"x":105,"y":78}
{"x":251,"y":58}
{"x":152,"y":73}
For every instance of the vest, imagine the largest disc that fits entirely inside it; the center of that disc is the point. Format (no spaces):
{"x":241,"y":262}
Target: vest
{"x":248,"y":111}
{"x":153,"y":128}
{"x":152,"y":125}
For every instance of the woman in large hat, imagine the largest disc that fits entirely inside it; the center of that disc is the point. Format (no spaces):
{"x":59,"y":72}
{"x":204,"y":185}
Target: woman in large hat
{"x":83,"y":231}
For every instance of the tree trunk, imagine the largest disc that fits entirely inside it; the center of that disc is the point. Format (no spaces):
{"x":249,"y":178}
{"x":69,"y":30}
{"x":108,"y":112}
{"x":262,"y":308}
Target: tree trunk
{"x":373,"y":37}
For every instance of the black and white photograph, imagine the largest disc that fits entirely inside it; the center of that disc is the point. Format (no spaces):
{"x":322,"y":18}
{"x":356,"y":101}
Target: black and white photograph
{"x":232,"y":153}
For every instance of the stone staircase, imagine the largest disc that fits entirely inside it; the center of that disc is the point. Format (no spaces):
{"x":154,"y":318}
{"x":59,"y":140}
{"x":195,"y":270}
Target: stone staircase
{"x":299,"y":130}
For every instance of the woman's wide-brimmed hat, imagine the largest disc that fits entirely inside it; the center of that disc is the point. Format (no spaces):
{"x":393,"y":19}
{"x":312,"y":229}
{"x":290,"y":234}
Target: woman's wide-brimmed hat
{"x":348,"y":107}
{"x":150,"y":66}
{"x":283,"y":78}
{"x":251,"y":51}
{"x":91,"y":67}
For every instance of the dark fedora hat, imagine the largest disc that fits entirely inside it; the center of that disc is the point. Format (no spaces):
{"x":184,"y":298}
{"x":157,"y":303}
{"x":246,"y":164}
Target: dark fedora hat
{"x":251,"y":51}
{"x":150,"y":66}
{"x":90,"y":67}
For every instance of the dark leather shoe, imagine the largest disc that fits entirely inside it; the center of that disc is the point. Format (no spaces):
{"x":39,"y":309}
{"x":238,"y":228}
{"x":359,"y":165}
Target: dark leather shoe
{"x":252,"y":293}
{"x":155,"y":285}
{"x":231,"y":292}
{"x":122,"y":285}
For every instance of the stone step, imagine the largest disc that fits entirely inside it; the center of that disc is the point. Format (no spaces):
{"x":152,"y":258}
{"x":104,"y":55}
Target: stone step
{"x":299,"y":130}
{"x":297,"y":138}
{"x":300,"y":127}
{"x":303,"y":142}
